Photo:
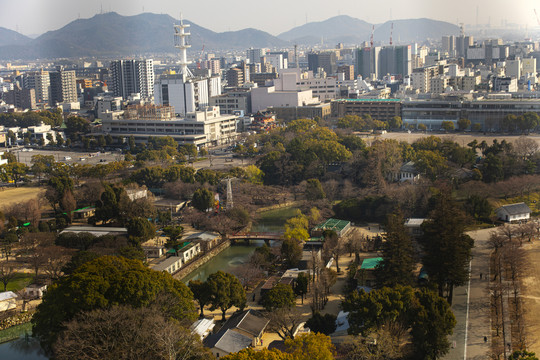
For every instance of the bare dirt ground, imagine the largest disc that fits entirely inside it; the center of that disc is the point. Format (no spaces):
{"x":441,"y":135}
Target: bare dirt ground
{"x":531,"y":296}
{"x":461,"y":139}
{"x":10,"y":196}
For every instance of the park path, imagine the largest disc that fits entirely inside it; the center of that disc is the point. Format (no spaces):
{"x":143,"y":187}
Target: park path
{"x":471,"y":306}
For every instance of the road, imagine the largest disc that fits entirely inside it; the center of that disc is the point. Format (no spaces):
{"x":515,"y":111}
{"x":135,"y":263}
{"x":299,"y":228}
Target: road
{"x":471,"y":306}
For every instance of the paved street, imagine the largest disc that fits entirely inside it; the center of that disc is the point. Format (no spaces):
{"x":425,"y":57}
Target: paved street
{"x":473,"y":319}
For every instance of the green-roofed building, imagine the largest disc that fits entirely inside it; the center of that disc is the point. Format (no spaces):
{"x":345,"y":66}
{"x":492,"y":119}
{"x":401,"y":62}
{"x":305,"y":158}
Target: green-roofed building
{"x":371,"y":263}
{"x":341,"y":227}
{"x":366,"y":274}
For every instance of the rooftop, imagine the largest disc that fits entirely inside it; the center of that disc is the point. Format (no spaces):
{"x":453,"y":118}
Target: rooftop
{"x":332,"y":224}
{"x":369,"y":100}
{"x":371,"y":263}
{"x":7,"y":295}
{"x":516,"y":209}
{"x":162,"y":266}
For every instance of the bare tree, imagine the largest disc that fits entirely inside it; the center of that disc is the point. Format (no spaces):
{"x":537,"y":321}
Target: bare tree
{"x":7,"y":272}
{"x":54,"y":259}
{"x":126,"y":333}
{"x":31,"y":249}
{"x":284,"y":321}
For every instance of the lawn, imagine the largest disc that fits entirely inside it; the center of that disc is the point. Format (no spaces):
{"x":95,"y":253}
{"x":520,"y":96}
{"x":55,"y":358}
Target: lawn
{"x":19,"y":282}
{"x":10,"y":196}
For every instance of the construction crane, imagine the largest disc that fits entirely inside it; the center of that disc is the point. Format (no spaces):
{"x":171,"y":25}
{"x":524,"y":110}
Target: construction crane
{"x":372,"y":31}
{"x":391,"y":31}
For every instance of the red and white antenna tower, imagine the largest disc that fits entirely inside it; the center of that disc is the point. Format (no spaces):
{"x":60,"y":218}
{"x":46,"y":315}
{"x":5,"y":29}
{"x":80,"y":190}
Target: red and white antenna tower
{"x":372,"y":31}
{"x":391,"y":31}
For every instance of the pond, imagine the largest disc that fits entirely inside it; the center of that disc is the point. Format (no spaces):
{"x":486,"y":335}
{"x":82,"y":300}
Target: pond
{"x":237,"y":255}
{"x":24,"y":347}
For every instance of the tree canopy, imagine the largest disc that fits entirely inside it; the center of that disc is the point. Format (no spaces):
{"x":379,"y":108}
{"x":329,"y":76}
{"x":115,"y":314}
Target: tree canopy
{"x":102,"y":283}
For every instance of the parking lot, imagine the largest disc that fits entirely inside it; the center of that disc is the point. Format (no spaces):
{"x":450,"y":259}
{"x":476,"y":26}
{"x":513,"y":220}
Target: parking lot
{"x":24,"y":155}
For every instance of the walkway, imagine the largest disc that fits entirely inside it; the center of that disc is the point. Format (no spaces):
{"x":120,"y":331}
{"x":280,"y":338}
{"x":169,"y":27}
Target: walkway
{"x":471,"y":306}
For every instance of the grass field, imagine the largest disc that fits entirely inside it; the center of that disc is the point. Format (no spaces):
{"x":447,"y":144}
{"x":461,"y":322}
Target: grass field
{"x":16,"y":195}
{"x":20,"y":281}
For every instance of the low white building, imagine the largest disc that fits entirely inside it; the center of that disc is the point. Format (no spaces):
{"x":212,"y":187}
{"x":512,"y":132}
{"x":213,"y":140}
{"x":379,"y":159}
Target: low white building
{"x":171,"y":264}
{"x":265,"y":97}
{"x":408,"y":172}
{"x":35,"y":290}
{"x":514,"y":212}
{"x":189,"y":251}
{"x":8,"y":300}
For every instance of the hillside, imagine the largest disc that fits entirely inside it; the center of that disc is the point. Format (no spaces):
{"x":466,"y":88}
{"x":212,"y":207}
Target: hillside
{"x":8,"y":37}
{"x":112,"y":34}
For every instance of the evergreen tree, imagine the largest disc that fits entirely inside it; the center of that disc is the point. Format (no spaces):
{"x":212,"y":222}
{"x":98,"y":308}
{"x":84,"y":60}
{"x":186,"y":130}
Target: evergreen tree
{"x":397,"y":253}
{"x":447,"y":249}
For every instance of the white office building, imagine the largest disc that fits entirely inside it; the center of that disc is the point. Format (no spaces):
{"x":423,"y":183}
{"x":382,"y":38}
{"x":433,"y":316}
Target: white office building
{"x":201,"y":128}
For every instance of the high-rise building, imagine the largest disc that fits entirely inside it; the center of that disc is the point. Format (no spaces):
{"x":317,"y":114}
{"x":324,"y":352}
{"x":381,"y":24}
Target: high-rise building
{"x":367,"y":62}
{"x":254,"y":55}
{"x":462,"y":44}
{"x":235,"y":77}
{"x":132,"y":76}
{"x":39,"y":81}
{"x":63,"y":86}
{"x":395,"y":60}
{"x":449,"y":44}
{"x":326,"y":60}
{"x":21,"y":98}
{"x":348,"y":70}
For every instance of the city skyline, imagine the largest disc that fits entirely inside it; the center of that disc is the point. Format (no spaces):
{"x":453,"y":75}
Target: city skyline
{"x":281,"y":16}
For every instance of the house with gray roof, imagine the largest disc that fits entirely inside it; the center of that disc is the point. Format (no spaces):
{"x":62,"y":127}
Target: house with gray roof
{"x":408,"y":172}
{"x":514,"y":212}
{"x":234,"y":334}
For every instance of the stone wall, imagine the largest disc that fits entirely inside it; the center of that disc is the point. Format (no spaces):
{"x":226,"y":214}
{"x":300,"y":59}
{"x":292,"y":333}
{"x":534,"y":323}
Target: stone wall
{"x":185,"y":270}
{"x":16,"y":319}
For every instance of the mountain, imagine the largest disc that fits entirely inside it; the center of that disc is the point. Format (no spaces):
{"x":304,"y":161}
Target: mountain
{"x":111,"y":34}
{"x":9,"y":37}
{"x":331,"y":29}
{"x":348,"y":30}
{"x":414,"y":30}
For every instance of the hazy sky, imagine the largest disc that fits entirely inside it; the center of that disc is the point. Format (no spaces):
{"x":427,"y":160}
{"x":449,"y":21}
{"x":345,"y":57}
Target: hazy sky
{"x":273,"y":16}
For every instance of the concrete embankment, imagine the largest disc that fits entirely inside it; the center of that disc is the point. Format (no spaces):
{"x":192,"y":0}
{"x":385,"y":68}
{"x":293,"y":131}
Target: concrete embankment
{"x":184,"y":271}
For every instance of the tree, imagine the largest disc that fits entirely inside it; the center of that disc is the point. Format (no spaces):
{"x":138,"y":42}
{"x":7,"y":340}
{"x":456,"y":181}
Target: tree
{"x":263,"y":354}
{"x":447,"y":125}
{"x":333,"y":247}
{"x":301,"y":285}
{"x":14,"y":172}
{"x":463,"y":124}
{"x":523,"y":355}
{"x":492,"y":169}
{"x":398,"y":254}
{"x":201,"y":293}
{"x":395,"y":122}
{"x":422,"y":127}
{"x":124,"y":332}
{"x":363,"y":349}
{"x":310,"y":347}
{"x":280,"y":296}
{"x":225,"y":292}
{"x":174,"y":233}
{"x":203,"y":199}
{"x":104,"y":282}
{"x":7,"y":272}
{"x":478,"y":207}
{"x":80,"y":258}
{"x":324,"y":324}
{"x":433,"y":322}
{"x":314,"y":190}
{"x":291,"y":251}
{"x":140,"y":230}
{"x":386,"y":307}
{"x":447,"y":249}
